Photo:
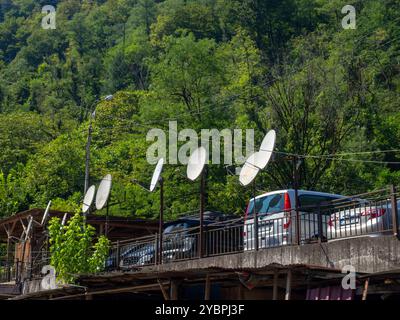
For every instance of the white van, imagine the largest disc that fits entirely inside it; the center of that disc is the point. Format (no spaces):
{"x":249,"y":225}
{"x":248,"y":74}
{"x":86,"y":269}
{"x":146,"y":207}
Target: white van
{"x":277,"y":217}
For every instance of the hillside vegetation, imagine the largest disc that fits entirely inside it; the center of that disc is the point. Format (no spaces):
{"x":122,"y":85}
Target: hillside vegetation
{"x":261,"y":64}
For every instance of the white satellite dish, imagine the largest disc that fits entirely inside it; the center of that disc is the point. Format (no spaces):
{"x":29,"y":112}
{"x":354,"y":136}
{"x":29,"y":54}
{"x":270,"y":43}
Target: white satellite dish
{"x":266,"y":150}
{"x":46,"y":213}
{"x":196,"y":163}
{"x":103,"y":192}
{"x":195,"y":168}
{"x":156,"y":174}
{"x":88,"y":200}
{"x":64,"y":219}
{"x":250,"y":169}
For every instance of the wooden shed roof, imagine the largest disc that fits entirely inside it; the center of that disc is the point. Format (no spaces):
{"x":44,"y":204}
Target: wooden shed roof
{"x":120,"y":228}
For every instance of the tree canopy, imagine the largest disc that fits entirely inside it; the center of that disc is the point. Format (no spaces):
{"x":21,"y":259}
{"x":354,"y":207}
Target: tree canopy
{"x":286,"y":65}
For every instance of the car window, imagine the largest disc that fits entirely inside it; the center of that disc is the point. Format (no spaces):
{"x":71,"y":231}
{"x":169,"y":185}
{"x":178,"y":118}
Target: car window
{"x":267,"y":205}
{"x":309,"y":202}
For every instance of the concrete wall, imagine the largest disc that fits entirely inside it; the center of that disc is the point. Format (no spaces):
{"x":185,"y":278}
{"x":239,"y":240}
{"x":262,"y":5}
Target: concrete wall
{"x":365,"y":254}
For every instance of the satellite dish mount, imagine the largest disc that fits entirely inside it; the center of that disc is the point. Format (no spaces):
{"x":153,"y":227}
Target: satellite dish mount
{"x":254,"y":163}
{"x":195,"y":168}
{"x":103,"y":197}
{"x":158,"y":179}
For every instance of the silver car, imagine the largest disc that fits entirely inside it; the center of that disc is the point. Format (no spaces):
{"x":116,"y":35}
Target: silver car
{"x":277,"y":218}
{"x":361,"y":218}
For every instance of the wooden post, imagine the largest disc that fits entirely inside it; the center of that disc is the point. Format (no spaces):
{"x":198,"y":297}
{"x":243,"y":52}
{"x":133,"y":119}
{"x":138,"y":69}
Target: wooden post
{"x":174,"y":295}
{"x":288,"y":285}
{"x":8,"y":258}
{"x":275,"y":286}
{"x":240,"y":292}
{"x":88,"y":296}
{"x":163,"y":291}
{"x":365,"y":291}
{"x":17,"y":271}
{"x":207,"y":292}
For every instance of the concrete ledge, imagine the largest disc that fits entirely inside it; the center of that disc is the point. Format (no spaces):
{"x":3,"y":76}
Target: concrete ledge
{"x":366,"y":254}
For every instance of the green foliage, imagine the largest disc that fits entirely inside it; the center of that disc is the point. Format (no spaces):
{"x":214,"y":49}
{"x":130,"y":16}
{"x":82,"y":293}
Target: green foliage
{"x":220,"y":64}
{"x":11,"y":194}
{"x":72,"y":249}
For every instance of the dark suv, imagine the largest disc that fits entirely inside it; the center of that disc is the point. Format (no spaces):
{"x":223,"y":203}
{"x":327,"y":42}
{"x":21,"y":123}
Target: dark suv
{"x":181,"y":241}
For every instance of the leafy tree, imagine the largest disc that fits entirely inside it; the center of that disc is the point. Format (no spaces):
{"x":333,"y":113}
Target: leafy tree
{"x":12,"y":194}
{"x":72,"y":249}
{"x":283,"y":64}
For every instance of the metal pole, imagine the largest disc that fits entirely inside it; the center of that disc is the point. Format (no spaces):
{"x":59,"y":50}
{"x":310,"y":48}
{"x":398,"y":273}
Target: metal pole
{"x":118,"y":255}
{"x":256,"y":245}
{"x":87,"y":165}
{"x":395,"y":218}
{"x":296,"y":199}
{"x":320,"y":227}
{"x":107,"y":215}
{"x":8,"y":258}
{"x":156,"y":243}
{"x":201,"y":214}
{"x":161,"y":222}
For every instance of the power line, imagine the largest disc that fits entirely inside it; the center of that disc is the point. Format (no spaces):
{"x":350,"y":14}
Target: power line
{"x":333,"y":157}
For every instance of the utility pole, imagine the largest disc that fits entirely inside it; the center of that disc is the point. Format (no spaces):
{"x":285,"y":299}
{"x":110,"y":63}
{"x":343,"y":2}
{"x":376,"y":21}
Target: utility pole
{"x":89,"y":141}
{"x":87,"y":165}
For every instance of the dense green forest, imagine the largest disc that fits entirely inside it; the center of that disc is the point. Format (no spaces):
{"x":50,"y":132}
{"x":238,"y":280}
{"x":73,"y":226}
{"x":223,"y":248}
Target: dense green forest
{"x":261,"y":64}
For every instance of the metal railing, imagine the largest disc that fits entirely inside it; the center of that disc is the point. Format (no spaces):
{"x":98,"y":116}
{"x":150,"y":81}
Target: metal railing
{"x":128,"y":254}
{"x":14,"y":270}
{"x":373,"y":213}
{"x":376,"y":213}
{"x":5,"y":271}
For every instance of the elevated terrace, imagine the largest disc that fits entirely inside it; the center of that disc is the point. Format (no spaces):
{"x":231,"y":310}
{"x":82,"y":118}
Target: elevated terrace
{"x":284,"y":263}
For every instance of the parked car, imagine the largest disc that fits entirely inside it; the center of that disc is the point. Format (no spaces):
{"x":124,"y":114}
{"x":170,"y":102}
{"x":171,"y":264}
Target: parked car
{"x":360,"y":218}
{"x":180,"y":241}
{"x":138,"y":253}
{"x":181,"y":238}
{"x":277,"y":217}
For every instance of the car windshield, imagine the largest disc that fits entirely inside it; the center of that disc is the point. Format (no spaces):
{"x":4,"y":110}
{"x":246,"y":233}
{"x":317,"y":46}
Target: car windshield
{"x":267,"y":205}
{"x":175,"y":228}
